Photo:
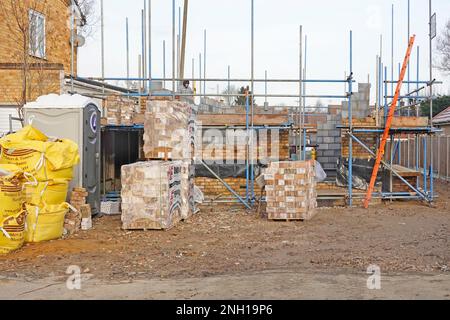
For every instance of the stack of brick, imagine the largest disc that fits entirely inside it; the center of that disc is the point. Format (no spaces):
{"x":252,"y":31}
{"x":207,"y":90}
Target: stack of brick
{"x":72,"y":221}
{"x":113,"y":115}
{"x":120,"y":111}
{"x":291,"y":190}
{"x":168,"y":130}
{"x":369,"y":139}
{"x":152,"y":195}
{"x":127,"y":114}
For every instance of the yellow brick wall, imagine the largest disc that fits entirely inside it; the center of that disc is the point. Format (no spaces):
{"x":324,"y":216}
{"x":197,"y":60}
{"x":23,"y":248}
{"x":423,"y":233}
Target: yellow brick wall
{"x":213,"y":188}
{"x":369,"y":139}
{"x":46,"y":78}
{"x":42,"y":82}
{"x":263,"y":149}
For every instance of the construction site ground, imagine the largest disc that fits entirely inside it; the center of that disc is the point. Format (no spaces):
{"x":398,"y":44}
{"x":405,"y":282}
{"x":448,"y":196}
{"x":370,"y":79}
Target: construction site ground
{"x":230,"y":253}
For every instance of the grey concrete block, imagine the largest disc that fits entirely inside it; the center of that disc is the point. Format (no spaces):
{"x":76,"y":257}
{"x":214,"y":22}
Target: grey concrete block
{"x":334,"y":146}
{"x":329,"y":153}
{"x":336,"y":133}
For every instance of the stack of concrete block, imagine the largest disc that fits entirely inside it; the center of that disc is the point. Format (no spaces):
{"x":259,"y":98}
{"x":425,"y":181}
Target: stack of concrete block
{"x":169,"y":130}
{"x":329,"y":141}
{"x":360,"y":103}
{"x":151,"y":195}
{"x":291,"y":190}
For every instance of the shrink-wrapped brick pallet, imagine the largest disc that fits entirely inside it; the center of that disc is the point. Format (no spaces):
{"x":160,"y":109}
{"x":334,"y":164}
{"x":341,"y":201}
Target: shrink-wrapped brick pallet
{"x":187,"y":190}
{"x":291,"y":190}
{"x":168,"y":130}
{"x":151,"y":195}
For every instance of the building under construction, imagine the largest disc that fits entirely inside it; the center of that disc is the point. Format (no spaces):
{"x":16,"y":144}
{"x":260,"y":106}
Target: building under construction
{"x":164,"y":152}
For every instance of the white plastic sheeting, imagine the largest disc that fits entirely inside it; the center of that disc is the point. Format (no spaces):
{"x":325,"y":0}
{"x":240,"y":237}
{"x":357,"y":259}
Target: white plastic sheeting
{"x":4,"y":119}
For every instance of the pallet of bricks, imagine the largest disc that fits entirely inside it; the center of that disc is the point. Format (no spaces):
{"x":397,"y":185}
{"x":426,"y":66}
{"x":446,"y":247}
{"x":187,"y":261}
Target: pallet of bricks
{"x":121,"y":111}
{"x":158,"y":194}
{"x":169,"y":130}
{"x":291,"y":190}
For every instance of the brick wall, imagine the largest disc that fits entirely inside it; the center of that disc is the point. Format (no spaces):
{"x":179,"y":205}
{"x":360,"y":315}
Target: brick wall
{"x":264,"y":148}
{"x":58,"y":50}
{"x":369,"y":139}
{"x":213,"y":188}
{"x":41,"y":81}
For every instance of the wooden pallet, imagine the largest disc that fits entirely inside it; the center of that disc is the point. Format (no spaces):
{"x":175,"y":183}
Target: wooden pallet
{"x":287,"y":220}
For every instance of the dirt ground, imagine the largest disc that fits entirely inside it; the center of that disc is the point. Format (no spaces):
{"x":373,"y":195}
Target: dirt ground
{"x":400,"y":237}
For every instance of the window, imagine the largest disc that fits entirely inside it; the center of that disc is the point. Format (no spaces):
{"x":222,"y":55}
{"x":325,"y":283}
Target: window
{"x":37,"y":34}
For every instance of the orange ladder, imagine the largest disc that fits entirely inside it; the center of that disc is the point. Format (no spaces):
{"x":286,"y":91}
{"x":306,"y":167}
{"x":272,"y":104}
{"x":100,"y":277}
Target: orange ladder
{"x":387,"y":129}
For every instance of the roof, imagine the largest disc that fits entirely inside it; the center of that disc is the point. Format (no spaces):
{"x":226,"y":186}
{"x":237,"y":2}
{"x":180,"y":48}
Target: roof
{"x":59,"y":101}
{"x":101,"y":85}
{"x":442,"y":117}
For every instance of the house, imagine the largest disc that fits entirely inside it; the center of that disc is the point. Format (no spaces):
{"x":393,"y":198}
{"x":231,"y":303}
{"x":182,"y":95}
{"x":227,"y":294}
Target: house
{"x":35,"y":51}
{"x":442,"y":121}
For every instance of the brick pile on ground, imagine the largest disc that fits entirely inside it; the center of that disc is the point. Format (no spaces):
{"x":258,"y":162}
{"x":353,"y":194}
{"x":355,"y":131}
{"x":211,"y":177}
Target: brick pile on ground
{"x":291,"y":190}
{"x":72,"y":221}
{"x":151,"y":195}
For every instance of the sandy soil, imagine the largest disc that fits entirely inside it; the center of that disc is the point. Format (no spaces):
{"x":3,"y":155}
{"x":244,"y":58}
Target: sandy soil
{"x":399,"y":237}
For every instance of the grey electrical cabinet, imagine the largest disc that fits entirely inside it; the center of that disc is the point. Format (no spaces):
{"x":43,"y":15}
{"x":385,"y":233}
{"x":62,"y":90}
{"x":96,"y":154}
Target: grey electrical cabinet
{"x":77,"y":118}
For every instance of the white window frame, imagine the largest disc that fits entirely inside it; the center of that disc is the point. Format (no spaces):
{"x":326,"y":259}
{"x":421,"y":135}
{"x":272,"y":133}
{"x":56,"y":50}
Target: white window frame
{"x":38,"y":40}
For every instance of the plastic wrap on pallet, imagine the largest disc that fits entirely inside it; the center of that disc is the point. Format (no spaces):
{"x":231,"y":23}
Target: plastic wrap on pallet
{"x":362,"y":172}
{"x":226,"y":170}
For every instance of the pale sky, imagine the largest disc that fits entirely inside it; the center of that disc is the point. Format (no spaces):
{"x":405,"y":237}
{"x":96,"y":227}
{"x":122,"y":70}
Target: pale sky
{"x":325,"y":22}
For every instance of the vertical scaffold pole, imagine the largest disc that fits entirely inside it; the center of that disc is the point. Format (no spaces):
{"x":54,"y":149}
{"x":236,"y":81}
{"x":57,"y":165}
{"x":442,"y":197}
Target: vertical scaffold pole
{"x":350,"y":121}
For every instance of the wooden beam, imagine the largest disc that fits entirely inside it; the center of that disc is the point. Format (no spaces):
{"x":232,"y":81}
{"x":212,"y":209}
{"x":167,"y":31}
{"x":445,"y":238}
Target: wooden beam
{"x":239,"y":119}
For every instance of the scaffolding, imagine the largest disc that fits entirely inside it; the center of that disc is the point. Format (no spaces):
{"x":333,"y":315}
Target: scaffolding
{"x":146,"y":78}
{"x":413,"y":99}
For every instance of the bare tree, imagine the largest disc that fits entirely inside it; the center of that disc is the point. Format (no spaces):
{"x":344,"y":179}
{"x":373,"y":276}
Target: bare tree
{"x":20,"y":18}
{"x":29,"y":25}
{"x":443,"y":47}
{"x":232,"y":91}
{"x":88,"y":19}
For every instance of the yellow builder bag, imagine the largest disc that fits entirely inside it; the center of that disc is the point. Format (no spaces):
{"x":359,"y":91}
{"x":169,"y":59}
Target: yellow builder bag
{"x":44,"y":158}
{"x":12,"y":232}
{"x":51,"y":192}
{"x":45,"y":222}
{"x":11,"y":192}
